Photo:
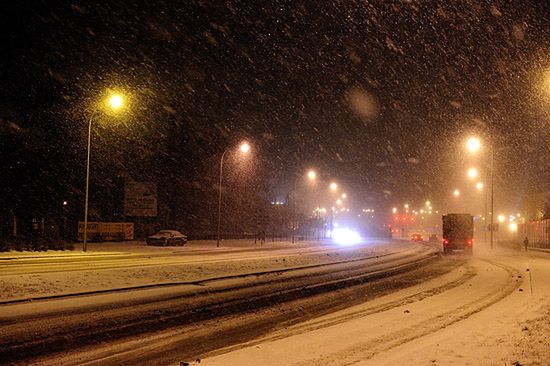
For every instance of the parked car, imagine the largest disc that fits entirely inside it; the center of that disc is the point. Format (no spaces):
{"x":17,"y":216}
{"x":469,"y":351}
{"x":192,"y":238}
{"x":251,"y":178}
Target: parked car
{"x":167,"y":237}
{"x":417,"y":237}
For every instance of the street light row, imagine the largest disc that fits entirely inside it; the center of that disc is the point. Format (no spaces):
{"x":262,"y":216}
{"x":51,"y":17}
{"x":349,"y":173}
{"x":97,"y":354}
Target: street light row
{"x":116,"y":102}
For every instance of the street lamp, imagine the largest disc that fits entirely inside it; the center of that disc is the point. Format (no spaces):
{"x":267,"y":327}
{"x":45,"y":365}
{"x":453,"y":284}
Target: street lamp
{"x":472,"y":173}
{"x":473,"y":145}
{"x":244,"y":148}
{"x":311,"y":176}
{"x":333,"y":186}
{"x":114,"y":102}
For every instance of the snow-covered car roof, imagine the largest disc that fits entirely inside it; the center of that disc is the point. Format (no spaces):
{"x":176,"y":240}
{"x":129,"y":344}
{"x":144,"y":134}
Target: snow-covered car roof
{"x":168,"y":232}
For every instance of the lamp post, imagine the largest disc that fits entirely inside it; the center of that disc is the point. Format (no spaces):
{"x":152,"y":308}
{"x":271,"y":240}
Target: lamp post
{"x":473,"y":145}
{"x":244,"y":148}
{"x":492,"y":197}
{"x":115,"y":102}
{"x":311,"y":176}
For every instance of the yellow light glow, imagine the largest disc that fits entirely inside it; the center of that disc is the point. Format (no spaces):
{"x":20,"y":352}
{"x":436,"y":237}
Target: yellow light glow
{"x":428,"y":203}
{"x":501,"y":218}
{"x":479,"y":186}
{"x":333,"y":186}
{"x":513,"y":227}
{"x":473,"y":144}
{"x":115,"y":101}
{"x":394,"y":210}
{"x":338,"y":201}
{"x":311,"y":175}
{"x":244,"y":148}
{"x":456,"y":193}
{"x":344,"y":195}
{"x":406,"y":205}
{"x":472,"y":173}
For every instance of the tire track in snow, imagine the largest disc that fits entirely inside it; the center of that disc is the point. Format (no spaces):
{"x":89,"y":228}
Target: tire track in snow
{"x":419,"y":296}
{"x":365,"y":350}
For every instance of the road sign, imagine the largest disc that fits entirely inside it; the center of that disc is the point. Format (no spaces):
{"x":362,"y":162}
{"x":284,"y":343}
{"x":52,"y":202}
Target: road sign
{"x":140,"y":199}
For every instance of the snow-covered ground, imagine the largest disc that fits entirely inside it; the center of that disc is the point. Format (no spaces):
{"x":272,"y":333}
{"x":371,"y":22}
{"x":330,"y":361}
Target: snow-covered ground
{"x":119,"y":265}
{"x":495,"y":310}
{"x":498,"y":314}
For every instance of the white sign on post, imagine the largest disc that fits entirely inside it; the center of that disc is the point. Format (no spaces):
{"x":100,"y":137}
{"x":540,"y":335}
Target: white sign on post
{"x":140,"y":199}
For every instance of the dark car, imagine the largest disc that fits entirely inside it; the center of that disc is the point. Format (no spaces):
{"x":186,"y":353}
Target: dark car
{"x":417,"y":237}
{"x":167,"y":237}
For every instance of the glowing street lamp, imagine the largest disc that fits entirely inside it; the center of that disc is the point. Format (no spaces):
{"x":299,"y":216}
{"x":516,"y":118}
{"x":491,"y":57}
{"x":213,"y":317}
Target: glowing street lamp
{"x":473,"y":144}
{"x":479,"y":186}
{"x":244,"y":148}
{"x":333,"y":186}
{"x":344,"y":196}
{"x":311,"y":176}
{"x":114,"y":102}
{"x":456,"y":193}
{"x":472,"y":173}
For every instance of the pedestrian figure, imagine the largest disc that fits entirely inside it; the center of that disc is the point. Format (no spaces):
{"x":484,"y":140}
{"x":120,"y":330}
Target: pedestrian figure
{"x":525,"y":243}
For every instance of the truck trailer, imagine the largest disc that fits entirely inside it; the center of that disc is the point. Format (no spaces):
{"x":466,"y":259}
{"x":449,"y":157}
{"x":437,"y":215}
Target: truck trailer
{"x":458,"y":233}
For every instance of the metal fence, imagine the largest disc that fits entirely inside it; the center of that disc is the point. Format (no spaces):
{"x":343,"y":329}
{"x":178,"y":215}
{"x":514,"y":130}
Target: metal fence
{"x":537,"y":232}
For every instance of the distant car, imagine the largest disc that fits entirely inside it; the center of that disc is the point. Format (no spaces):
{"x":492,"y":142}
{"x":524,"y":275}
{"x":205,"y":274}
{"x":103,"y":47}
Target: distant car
{"x":433,"y":238}
{"x":417,"y":237}
{"x":166,"y":238}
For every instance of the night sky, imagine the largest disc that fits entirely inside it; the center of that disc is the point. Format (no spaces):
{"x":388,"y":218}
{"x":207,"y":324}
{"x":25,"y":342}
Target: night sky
{"x":379,"y":95}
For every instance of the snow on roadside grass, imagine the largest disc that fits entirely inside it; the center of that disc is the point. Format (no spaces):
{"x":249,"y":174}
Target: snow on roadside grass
{"x":164,"y":270}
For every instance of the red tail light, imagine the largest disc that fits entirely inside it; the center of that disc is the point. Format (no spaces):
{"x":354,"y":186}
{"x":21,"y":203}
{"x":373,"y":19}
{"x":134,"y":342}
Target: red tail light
{"x":470,"y":242}
{"x":445,"y":242}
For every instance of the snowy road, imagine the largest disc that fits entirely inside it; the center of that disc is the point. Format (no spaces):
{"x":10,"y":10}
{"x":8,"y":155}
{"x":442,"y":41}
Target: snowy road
{"x":393,"y":305}
{"x":78,"y":321}
{"x":483,"y":313}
